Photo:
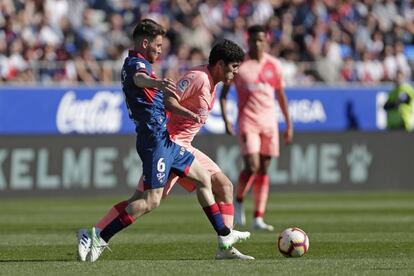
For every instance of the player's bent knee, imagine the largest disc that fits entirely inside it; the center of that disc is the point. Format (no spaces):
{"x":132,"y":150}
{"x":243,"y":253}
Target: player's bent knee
{"x":137,"y":207}
{"x":251,"y":163}
{"x":222,"y":186}
{"x":151,"y":205}
{"x":228,"y":188}
{"x":199,"y":175}
{"x":153,"y":199}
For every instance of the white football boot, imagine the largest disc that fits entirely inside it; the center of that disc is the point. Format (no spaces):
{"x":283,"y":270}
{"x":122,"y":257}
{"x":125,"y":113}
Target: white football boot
{"x":231,"y":254}
{"x":226,"y":242}
{"x":239,"y":214}
{"x":97,"y":247}
{"x":259,"y":224}
{"x":84,"y":244}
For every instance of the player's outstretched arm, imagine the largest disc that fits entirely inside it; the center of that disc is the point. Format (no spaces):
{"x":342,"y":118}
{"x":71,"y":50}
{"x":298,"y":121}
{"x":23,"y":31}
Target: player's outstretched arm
{"x":143,"y":80}
{"x":282,"y":99}
{"x":223,"y":104}
{"x":173,"y":106}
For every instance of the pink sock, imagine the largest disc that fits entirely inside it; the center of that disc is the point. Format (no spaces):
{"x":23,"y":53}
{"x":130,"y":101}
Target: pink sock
{"x":112,"y":213}
{"x":260,"y":194}
{"x":245,"y":182}
{"x":227,"y":212}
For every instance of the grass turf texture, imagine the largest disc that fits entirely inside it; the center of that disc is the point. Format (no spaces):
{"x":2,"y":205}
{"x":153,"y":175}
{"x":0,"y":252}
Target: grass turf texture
{"x":350,"y":234}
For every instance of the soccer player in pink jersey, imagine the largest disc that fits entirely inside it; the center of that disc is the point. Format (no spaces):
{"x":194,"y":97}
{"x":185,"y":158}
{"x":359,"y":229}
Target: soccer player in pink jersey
{"x":194,"y":98}
{"x":260,"y":75}
{"x":196,"y":91}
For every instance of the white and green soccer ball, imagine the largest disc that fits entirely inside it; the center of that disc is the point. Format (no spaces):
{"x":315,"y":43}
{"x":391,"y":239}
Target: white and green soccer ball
{"x":293,"y":242}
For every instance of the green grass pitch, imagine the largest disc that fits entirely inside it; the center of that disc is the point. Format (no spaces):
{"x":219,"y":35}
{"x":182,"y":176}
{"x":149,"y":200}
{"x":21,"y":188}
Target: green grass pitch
{"x":350,"y":234}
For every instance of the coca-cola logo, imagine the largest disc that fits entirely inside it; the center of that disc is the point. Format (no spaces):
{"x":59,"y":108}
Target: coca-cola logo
{"x":100,"y":114}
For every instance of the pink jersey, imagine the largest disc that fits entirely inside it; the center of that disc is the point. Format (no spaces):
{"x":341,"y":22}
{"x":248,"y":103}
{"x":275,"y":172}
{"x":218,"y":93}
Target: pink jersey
{"x":256,"y":83}
{"x":196,"y":92}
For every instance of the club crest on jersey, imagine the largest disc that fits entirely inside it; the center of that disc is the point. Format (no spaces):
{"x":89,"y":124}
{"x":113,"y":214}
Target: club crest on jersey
{"x":183,"y":84}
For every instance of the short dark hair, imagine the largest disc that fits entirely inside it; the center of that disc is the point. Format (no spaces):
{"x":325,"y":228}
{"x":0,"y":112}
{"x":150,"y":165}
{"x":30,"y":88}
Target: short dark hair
{"x":225,"y":50}
{"x":147,"y":28}
{"x":256,"y":29}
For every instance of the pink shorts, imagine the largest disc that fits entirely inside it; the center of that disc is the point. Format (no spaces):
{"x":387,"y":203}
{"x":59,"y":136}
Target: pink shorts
{"x":265,"y":142}
{"x":186,"y":183}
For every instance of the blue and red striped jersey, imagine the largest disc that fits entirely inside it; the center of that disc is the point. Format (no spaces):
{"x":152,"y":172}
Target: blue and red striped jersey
{"x":145,"y":105}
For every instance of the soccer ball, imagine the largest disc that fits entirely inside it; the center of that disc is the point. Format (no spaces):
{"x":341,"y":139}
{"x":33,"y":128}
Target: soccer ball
{"x":293,"y":242}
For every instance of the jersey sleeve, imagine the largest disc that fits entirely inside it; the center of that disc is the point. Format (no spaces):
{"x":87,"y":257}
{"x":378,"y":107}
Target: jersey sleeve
{"x":199,"y":101}
{"x":140,"y":65}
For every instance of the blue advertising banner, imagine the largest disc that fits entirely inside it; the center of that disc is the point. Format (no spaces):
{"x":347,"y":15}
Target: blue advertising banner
{"x":101,"y":110}
{"x":323,"y":108}
{"x":82,"y":110}
{"x":336,"y":108}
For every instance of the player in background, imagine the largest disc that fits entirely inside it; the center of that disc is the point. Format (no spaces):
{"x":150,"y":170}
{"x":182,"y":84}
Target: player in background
{"x":399,"y":104}
{"x":196,"y":92}
{"x":144,"y":96}
{"x":260,"y":75}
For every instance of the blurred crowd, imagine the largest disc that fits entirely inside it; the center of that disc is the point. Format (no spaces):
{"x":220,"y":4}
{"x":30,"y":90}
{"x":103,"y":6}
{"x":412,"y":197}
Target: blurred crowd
{"x":317,"y":40}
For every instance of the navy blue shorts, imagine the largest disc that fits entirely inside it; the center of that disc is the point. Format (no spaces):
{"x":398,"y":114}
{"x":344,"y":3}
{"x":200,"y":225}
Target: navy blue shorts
{"x":160,"y":156}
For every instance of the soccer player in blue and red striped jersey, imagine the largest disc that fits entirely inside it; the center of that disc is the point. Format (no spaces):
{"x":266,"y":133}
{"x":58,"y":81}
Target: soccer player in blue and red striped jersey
{"x":144,"y":96}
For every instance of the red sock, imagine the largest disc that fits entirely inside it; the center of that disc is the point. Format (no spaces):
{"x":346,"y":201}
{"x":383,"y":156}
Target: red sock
{"x":112,"y":213}
{"x":245,"y":182}
{"x":122,"y":221}
{"x":227,"y":212}
{"x":260,"y":194}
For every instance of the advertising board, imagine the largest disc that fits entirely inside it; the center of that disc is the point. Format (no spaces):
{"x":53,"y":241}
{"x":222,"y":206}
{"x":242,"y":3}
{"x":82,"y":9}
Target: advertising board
{"x":109,"y":164}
